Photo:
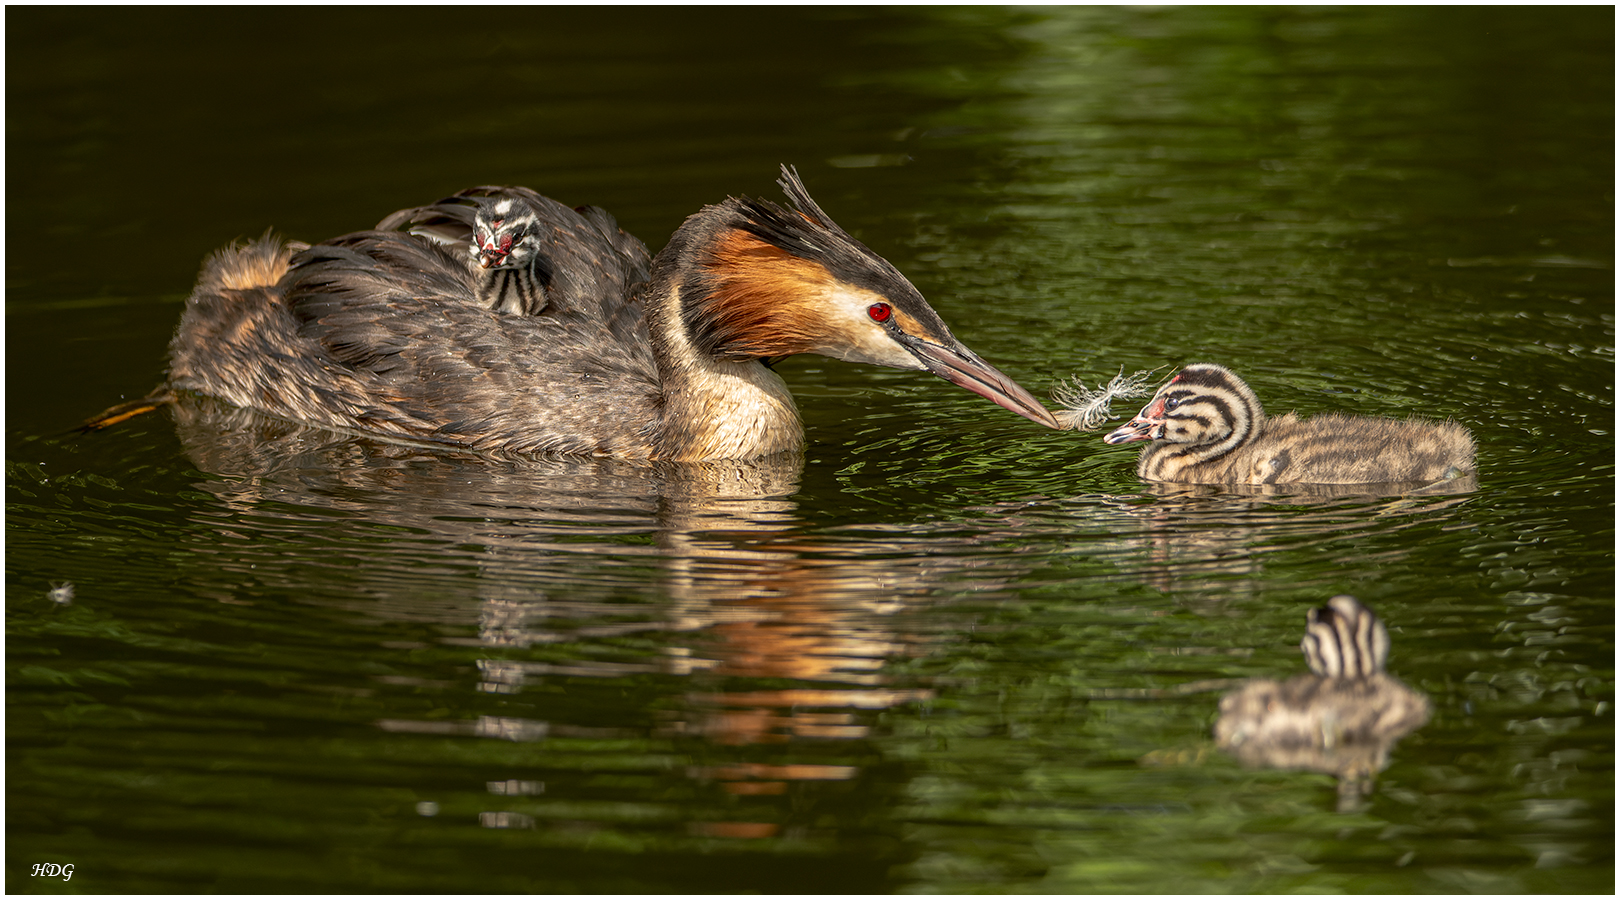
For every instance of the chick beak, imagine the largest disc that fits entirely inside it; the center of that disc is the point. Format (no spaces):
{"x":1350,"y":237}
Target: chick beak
{"x":489,"y":257}
{"x":963,"y":368}
{"x":1140,"y":428}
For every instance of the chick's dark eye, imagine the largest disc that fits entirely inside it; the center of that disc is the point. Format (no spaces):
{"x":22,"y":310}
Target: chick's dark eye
{"x":880,"y":312}
{"x":1171,"y":403}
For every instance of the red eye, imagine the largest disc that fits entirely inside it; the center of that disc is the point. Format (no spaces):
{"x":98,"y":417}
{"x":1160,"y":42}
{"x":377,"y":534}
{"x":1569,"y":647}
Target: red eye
{"x":880,"y":312}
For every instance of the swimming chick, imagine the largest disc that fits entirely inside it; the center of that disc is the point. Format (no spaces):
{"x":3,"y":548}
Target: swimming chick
{"x":1342,"y":718}
{"x":1207,"y":427}
{"x":596,"y":347}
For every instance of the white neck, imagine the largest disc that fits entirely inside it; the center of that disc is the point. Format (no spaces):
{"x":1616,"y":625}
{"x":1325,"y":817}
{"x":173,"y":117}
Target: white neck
{"x":715,"y":409}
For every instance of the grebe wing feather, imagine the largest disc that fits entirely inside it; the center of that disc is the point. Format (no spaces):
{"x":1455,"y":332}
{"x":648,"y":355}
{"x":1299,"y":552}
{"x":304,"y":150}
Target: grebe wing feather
{"x":438,"y":367}
{"x":363,"y":297}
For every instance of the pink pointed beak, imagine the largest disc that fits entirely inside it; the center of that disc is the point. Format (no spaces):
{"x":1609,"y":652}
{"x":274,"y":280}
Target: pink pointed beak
{"x":1140,"y":428}
{"x":1147,"y":426}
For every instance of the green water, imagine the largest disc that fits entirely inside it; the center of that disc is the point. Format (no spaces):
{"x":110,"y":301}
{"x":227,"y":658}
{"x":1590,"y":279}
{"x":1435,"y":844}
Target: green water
{"x":945,"y":651}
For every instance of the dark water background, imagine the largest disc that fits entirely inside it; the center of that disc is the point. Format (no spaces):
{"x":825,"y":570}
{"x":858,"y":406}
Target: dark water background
{"x":953,"y":651}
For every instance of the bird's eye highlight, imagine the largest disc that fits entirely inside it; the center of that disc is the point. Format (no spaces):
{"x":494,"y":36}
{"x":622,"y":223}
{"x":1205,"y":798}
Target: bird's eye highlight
{"x":880,"y":312}
{"x":1171,"y":403}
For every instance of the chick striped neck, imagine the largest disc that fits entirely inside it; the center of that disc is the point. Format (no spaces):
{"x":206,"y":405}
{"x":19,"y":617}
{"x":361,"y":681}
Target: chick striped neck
{"x":1345,"y":640}
{"x":510,"y":290}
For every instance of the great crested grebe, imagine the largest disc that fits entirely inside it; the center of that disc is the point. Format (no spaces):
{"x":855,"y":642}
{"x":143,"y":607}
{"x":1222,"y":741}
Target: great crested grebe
{"x":554,"y":331}
{"x":1207,"y":427}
